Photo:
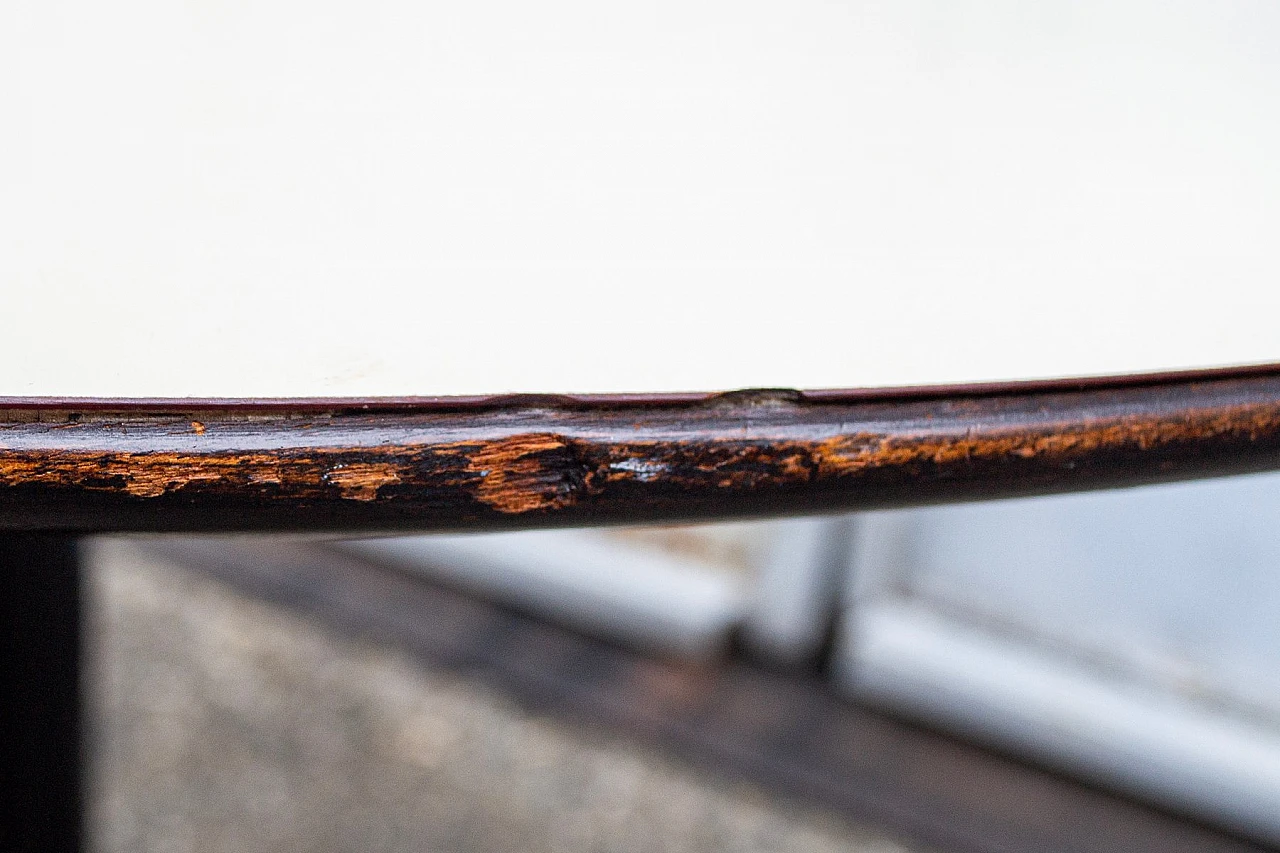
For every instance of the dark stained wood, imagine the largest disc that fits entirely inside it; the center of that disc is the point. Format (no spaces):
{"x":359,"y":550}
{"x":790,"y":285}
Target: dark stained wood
{"x":490,"y":401}
{"x":542,"y":462}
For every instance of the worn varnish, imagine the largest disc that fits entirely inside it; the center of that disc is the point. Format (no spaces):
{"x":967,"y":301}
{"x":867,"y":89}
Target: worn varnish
{"x":343,"y":468}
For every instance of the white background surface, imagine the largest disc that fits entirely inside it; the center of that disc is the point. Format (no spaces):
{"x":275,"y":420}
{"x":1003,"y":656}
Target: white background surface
{"x":287,"y":198}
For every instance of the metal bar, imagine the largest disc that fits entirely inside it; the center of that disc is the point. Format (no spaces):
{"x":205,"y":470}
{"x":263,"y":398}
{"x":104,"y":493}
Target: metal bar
{"x":40,"y":744}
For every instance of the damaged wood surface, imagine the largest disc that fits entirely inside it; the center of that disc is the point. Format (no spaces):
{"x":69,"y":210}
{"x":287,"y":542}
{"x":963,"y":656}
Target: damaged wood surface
{"x":542,"y":463}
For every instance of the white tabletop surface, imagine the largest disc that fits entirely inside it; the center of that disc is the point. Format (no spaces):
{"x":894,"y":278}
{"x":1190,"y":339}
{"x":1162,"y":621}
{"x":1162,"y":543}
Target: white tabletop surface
{"x":279,"y":198}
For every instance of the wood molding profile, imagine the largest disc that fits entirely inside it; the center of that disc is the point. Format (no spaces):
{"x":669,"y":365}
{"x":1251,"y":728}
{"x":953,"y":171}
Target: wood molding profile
{"x":519,"y":462}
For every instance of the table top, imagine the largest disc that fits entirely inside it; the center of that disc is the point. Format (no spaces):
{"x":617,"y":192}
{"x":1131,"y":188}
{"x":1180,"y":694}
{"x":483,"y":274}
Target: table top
{"x":423,"y":200}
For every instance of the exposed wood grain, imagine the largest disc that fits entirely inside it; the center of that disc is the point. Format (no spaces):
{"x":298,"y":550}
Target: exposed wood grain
{"x":523,"y":464}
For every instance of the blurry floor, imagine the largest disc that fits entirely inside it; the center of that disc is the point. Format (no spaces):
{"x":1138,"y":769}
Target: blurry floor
{"x":223,"y":723}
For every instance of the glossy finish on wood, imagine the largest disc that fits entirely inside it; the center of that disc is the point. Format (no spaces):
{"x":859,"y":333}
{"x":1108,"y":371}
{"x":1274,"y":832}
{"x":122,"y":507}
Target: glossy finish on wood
{"x":543,"y":463}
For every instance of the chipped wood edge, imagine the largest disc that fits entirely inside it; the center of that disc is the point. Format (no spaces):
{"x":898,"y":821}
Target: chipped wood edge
{"x":547,"y":464}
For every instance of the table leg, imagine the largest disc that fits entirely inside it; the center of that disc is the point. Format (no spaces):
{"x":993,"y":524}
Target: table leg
{"x":40,"y":745}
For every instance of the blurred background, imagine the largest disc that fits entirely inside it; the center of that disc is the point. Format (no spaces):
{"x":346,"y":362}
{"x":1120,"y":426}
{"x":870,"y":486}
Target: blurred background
{"x":1066,"y":673}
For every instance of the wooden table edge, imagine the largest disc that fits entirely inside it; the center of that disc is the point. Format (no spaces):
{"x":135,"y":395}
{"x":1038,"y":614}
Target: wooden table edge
{"x":347,"y":464}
